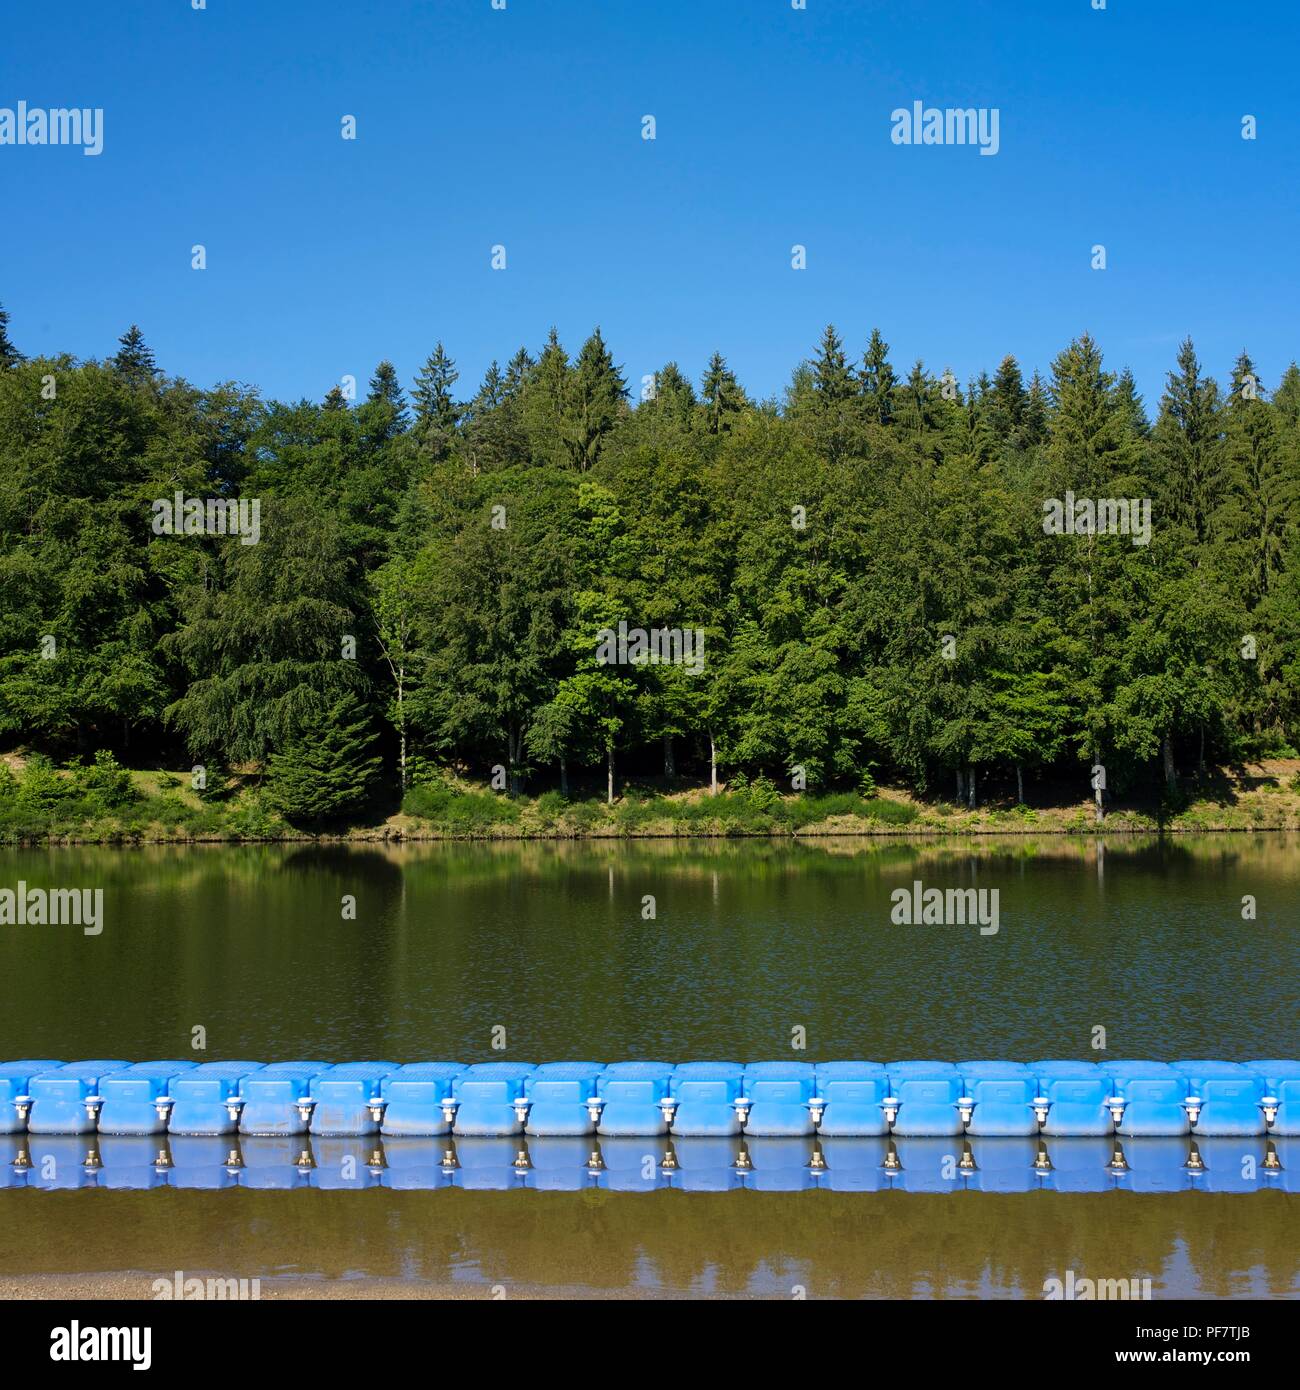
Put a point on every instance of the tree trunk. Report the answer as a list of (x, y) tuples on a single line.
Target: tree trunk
[(401, 729), (961, 788), (609, 775), (713, 766), (1171, 773), (1200, 760), (564, 776), (670, 770), (971, 802), (1020, 785)]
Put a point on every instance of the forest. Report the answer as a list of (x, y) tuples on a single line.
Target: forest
[(875, 565)]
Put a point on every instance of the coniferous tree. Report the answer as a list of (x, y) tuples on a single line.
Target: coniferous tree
[(435, 406), (9, 355), (596, 395), (831, 375), (135, 359), (721, 394), (1189, 449), (327, 769), (878, 380)]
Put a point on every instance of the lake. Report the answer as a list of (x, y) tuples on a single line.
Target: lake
[(675, 950)]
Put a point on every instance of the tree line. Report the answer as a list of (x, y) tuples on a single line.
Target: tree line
[(865, 558)]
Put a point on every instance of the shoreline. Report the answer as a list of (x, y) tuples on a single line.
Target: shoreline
[(391, 837)]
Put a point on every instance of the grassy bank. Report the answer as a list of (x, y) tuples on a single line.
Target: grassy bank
[(100, 803)]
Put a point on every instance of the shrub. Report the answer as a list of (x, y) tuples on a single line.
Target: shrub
[(104, 786)]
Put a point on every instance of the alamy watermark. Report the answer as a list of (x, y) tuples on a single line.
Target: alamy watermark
[(209, 516), (1101, 516), (179, 1288), (637, 646), (53, 907), (1075, 1289), (951, 125), (59, 125), (946, 907)]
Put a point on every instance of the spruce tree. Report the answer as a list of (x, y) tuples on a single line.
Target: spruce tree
[(878, 380), (9, 355), (722, 394), (831, 375), (135, 359), (595, 398), (1189, 448), (435, 406), (327, 770), (518, 370)]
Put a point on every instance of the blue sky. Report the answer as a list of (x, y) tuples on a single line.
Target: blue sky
[(523, 127)]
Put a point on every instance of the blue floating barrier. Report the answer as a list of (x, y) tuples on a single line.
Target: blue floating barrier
[(708, 1099), (490, 1163), (417, 1098), (275, 1162), (1149, 1099), (1281, 1103), (346, 1099), (707, 1163), (14, 1161), (1153, 1163), (15, 1091), (999, 1098), (207, 1099), (779, 1163), (130, 1161), (1230, 1097), (925, 1096), (1003, 1163), (66, 1099), (205, 1162), (853, 1164), (560, 1163), (852, 1096), (1075, 1094), (1282, 1164), (418, 1163), (1078, 1165), (137, 1099), (489, 1098), (563, 1099), (635, 1098), (634, 1163), (60, 1161), (277, 1098), (780, 1096), (924, 1164), (1230, 1163), (346, 1163)]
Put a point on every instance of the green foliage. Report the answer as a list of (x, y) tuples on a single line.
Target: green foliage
[(327, 770), (458, 812), (866, 561)]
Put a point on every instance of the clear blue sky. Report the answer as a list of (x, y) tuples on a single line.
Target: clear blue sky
[(523, 127)]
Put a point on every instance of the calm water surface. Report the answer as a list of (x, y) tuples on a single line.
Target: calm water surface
[(749, 940)]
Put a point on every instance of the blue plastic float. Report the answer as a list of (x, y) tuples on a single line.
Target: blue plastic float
[(930, 1126), (207, 1100), (137, 1099), (66, 1099), (276, 1098)]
